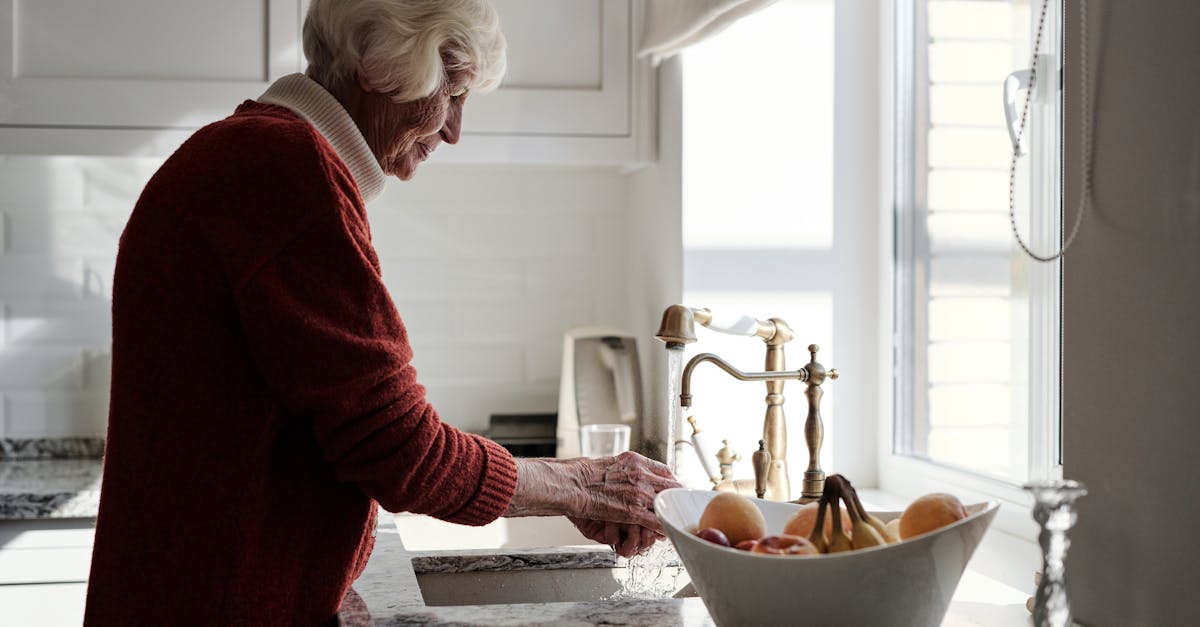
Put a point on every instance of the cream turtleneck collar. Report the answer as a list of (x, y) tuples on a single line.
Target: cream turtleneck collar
[(308, 99)]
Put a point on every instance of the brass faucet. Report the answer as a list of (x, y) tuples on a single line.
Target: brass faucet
[(677, 329)]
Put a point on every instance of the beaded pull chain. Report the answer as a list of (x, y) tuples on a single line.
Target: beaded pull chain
[(1085, 134)]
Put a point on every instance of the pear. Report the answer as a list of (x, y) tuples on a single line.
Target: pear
[(892, 529)]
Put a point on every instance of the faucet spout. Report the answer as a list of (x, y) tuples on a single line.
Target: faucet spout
[(678, 327), (685, 388)]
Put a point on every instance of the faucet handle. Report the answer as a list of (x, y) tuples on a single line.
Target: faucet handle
[(762, 466), (817, 372)]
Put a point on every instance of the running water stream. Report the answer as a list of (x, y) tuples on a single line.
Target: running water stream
[(674, 410), (654, 574)]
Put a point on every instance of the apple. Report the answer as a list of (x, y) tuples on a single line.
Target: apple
[(714, 535), (784, 544)]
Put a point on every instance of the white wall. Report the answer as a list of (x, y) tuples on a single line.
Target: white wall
[(488, 266), (1131, 421), (656, 246)]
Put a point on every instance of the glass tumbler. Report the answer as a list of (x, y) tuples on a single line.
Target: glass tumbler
[(603, 440)]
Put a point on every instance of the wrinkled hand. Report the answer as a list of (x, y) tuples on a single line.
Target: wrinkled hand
[(618, 490), (626, 539), (622, 489)]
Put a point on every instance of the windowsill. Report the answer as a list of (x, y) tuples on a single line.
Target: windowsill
[(1007, 560)]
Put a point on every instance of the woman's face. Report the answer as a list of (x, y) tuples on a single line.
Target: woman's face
[(403, 134)]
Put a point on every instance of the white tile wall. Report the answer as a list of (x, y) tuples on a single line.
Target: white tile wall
[(488, 265)]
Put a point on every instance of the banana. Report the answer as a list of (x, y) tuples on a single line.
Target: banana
[(838, 540), (855, 506)]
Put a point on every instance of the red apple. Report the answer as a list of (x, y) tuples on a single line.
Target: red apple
[(746, 545), (784, 544), (714, 535)]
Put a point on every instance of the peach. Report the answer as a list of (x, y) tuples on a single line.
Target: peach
[(734, 515), (785, 544), (801, 524), (929, 513)]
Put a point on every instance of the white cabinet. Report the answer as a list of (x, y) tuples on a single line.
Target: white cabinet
[(45, 551), (137, 77), (134, 77), (44, 568), (573, 92)]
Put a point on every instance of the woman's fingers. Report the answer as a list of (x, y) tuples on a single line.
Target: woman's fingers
[(655, 467), (631, 543), (612, 535)]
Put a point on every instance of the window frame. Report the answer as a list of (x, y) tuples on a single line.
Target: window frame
[(904, 65)]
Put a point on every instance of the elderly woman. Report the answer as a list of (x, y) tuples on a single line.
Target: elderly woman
[(263, 400)]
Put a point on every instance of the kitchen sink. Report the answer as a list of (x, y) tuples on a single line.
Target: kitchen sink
[(552, 585), (422, 533)]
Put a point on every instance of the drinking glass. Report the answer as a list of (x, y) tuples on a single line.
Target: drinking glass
[(603, 440)]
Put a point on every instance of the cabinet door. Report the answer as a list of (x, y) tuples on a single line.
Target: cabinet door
[(45, 551), (573, 92), (140, 64), (568, 70)]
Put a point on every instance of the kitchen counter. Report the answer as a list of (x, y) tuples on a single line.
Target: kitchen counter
[(51, 478), (387, 593), (53, 483)]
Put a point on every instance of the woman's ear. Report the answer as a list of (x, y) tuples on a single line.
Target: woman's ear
[(364, 84)]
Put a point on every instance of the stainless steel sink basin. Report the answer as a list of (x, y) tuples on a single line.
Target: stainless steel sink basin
[(552, 585)]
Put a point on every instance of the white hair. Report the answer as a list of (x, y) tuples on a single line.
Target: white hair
[(404, 48)]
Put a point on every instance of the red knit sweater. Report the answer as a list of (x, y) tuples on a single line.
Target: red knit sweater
[(262, 395)]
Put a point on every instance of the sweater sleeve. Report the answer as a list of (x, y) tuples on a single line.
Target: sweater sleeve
[(329, 342)]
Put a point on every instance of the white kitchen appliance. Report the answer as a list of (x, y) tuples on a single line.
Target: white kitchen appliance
[(601, 384)]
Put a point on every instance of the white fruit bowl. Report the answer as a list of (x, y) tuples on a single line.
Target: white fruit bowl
[(905, 584)]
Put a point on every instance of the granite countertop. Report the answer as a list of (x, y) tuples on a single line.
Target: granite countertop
[(387, 592), (50, 478)]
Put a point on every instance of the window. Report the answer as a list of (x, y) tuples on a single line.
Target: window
[(757, 212), (977, 321)]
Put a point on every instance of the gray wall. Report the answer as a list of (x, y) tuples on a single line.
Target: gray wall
[(1131, 416)]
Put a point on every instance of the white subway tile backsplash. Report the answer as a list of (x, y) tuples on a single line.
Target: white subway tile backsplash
[(544, 362), (488, 266), (524, 320), (55, 414), (57, 323), (539, 234), (476, 363), (451, 279), (97, 369), (41, 232), (433, 321), (468, 407), (469, 189), (41, 367), (97, 277), (37, 276), (546, 278), (42, 182), (116, 182)]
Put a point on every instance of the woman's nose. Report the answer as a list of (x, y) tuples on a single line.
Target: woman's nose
[(453, 126)]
